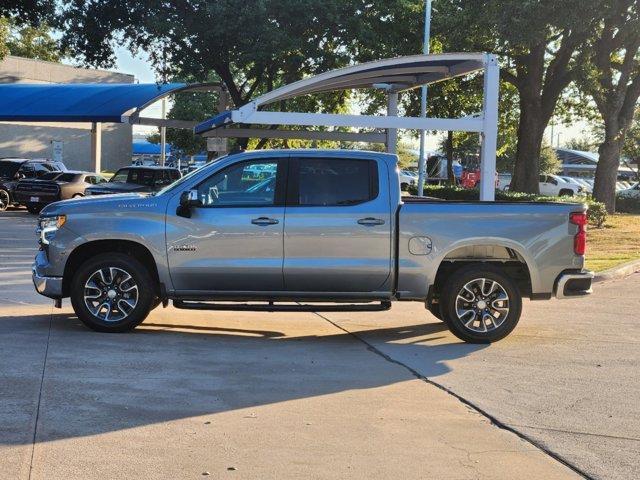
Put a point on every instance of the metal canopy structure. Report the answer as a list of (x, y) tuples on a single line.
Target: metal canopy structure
[(394, 76), (75, 102), (94, 103)]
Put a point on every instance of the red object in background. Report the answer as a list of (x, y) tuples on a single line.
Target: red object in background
[(470, 178)]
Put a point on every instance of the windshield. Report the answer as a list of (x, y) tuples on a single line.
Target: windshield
[(120, 176), (179, 182), (66, 177), (50, 176), (8, 169)]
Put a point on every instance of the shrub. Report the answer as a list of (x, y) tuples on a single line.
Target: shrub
[(597, 210)]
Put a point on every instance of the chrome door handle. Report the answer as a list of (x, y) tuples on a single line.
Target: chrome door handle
[(371, 221), (264, 221)]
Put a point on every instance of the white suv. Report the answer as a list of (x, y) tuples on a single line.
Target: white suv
[(554, 186)]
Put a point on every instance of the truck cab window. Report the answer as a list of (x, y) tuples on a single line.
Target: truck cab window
[(243, 184), (336, 182)]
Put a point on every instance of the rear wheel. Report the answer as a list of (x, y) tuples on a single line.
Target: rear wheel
[(565, 193), (112, 292), (480, 304), (5, 200)]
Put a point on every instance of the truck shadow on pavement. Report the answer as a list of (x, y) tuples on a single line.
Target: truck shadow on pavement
[(94, 383)]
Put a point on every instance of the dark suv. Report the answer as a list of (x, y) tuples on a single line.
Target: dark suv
[(137, 179), (14, 169)]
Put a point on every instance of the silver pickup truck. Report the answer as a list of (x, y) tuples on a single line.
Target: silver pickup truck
[(307, 230)]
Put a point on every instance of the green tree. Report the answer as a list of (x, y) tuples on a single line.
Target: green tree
[(611, 76), (28, 41), (21, 12), (538, 42)]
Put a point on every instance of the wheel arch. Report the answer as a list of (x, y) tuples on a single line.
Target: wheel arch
[(506, 255), (85, 251)]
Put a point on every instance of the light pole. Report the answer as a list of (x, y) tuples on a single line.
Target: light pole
[(423, 99)]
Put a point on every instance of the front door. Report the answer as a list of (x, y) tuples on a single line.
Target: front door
[(233, 241), (338, 226)]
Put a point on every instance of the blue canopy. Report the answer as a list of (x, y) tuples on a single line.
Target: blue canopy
[(78, 102), (145, 147)]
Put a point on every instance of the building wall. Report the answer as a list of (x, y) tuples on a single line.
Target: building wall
[(34, 140)]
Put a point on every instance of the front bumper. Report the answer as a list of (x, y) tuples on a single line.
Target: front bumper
[(48, 286), (574, 284)]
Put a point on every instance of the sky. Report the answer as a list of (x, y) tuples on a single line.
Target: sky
[(140, 67)]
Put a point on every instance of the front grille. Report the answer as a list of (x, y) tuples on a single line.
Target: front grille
[(42, 188)]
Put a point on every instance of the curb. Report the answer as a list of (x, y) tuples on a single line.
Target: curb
[(618, 272)]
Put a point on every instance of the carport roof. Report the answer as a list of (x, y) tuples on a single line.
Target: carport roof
[(394, 74), (81, 102)]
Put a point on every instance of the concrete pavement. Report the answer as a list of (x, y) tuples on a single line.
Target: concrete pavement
[(253, 395), (567, 377)]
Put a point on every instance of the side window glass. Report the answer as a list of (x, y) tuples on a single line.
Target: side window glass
[(336, 182), (27, 171), (246, 183), (543, 179)]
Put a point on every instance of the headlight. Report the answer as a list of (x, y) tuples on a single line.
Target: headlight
[(47, 226)]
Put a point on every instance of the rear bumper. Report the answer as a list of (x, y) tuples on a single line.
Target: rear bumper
[(48, 286), (574, 284), (43, 198)]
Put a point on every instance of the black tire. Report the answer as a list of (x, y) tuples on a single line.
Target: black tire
[(146, 293), (565, 193), (434, 309), (5, 200), (34, 208), (467, 328)]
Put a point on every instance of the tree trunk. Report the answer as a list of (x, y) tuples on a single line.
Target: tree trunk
[(530, 132), (450, 176), (604, 188)]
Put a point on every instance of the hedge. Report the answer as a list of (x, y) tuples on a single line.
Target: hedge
[(627, 204), (597, 210)]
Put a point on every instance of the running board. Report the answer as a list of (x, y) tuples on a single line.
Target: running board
[(271, 307)]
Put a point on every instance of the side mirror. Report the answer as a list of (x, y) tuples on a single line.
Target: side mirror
[(188, 200)]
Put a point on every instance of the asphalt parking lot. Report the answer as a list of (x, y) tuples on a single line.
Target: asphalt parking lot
[(302, 395)]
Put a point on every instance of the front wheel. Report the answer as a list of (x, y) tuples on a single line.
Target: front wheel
[(480, 304), (5, 200), (112, 292)]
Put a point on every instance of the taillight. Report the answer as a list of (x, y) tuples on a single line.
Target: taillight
[(580, 240)]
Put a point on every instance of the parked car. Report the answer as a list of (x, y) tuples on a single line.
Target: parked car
[(554, 186), (14, 169), (328, 226), (631, 192), (139, 179), (575, 181), (408, 178), (37, 193)]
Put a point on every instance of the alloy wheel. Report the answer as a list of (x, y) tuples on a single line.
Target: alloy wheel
[(110, 294), (482, 305)]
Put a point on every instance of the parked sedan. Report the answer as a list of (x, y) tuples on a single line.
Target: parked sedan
[(632, 192), (139, 179), (52, 187)]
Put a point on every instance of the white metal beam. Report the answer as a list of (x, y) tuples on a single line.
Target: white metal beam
[(392, 111), (369, 137), (362, 121), (96, 146), (489, 136)]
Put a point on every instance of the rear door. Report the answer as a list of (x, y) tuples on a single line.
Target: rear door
[(337, 225)]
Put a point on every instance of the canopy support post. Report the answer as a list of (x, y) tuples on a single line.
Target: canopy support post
[(163, 134), (96, 146), (489, 135), (392, 111)]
